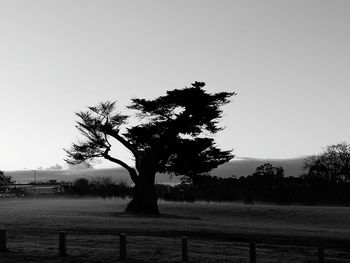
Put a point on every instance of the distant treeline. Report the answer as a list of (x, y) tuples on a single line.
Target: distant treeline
[(101, 186), (268, 184), (289, 190), (254, 188), (258, 187), (326, 181)]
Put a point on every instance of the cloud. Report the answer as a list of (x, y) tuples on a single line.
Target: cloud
[(81, 166), (55, 167)]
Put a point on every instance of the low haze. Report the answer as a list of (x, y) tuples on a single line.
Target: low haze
[(288, 61)]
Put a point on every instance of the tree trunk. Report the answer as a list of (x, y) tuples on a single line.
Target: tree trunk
[(145, 198)]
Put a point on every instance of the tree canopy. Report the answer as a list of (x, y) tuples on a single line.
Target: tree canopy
[(173, 135), (5, 180), (331, 165), (267, 170)]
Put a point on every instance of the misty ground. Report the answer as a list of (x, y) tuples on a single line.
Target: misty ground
[(218, 232)]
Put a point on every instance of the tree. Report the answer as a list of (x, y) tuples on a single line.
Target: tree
[(267, 170), (332, 165), (81, 186), (169, 138), (4, 182)]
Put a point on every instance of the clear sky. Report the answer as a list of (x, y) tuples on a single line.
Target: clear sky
[(289, 62)]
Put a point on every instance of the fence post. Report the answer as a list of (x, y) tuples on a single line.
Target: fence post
[(184, 240), (62, 243), (252, 252), (122, 247), (320, 252), (3, 237)]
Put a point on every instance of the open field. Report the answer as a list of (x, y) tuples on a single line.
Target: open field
[(218, 232)]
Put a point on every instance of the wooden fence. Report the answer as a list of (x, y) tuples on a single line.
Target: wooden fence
[(123, 255)]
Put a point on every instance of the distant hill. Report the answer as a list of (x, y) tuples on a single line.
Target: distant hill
[(238, 167), (246, 166)]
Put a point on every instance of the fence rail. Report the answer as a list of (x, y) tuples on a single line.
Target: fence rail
[(62, 247)]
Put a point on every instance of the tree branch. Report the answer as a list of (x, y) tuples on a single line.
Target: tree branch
[(128, 145), (132, 172)]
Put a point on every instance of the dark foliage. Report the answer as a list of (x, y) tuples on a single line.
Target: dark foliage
[(5, 180), (5, 188), (266, 184), (290, 190), (332, 165), (101, 186), (81, 186), (170, 137)]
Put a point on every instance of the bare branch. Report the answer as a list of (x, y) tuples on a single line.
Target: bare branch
[(131, 170), (124, 142)]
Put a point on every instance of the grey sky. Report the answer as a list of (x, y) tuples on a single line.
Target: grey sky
[(289, 61)]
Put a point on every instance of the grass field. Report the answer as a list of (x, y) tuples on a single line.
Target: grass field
[(218, 232)]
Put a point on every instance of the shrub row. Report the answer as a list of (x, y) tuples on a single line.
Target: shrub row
[(281, 190), (249, 189)]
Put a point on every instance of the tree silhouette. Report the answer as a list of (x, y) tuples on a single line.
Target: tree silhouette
[(5, 180), (331, 165), (267, 170), (169, 138)]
